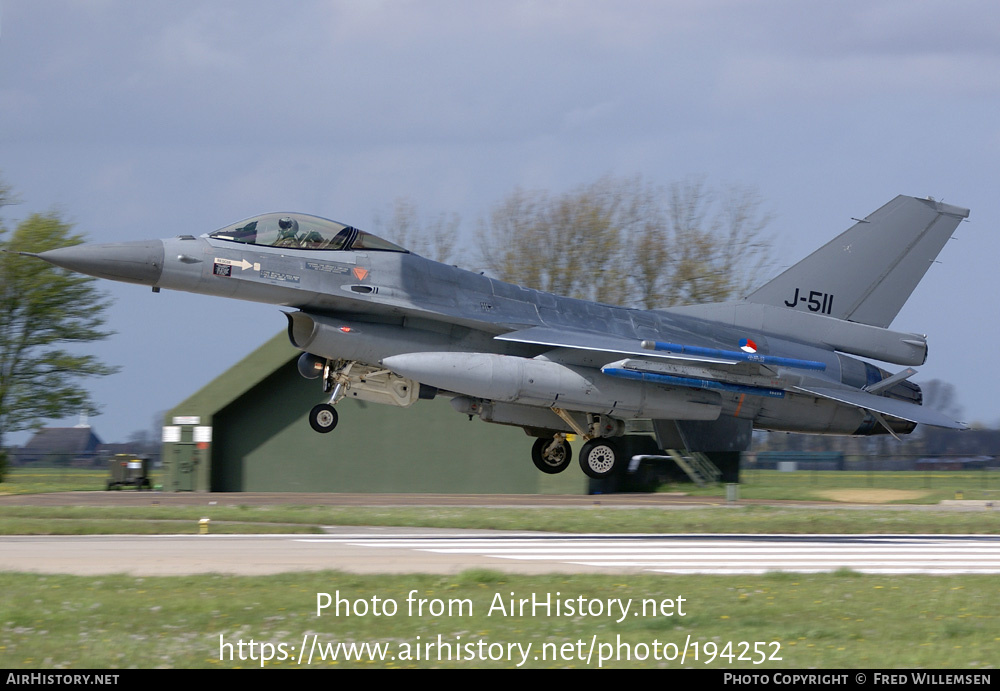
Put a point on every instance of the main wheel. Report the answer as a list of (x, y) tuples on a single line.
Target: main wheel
[(551, 457), (323, 417), (599, 458)]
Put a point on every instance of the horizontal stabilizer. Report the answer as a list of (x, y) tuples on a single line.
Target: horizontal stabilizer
[(886, 406)]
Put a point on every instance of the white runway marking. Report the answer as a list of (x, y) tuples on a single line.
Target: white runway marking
[(723, 554)]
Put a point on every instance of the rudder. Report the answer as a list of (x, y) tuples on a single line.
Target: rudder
[(867, 273)]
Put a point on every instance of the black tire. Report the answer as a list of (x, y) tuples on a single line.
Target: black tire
[(600, 458), (323, 418), (557, 460)]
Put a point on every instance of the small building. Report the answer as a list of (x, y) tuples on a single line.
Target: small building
[(71, 446)]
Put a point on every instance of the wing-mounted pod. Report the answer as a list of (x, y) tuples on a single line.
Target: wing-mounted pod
[(543, 383)]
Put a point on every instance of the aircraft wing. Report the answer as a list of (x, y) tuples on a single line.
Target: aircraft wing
[(581, 340), (713, 368), (886, 406)]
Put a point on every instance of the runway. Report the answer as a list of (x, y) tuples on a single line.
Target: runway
[(420, 550)]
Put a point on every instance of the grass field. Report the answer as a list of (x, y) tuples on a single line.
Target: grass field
[(840, 620), (910, 487), (229, 516), (82, 520), (881, 487), (35, 480), (834, 620)]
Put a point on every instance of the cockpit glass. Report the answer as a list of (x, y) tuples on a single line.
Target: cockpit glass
[(300, 231)]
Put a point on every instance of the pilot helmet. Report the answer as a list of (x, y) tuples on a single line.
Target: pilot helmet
[(289, 227)]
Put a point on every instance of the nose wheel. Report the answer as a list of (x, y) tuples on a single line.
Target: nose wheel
[(323, 417)]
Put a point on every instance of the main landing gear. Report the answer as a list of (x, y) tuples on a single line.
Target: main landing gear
[(551, 455), (600, 456)]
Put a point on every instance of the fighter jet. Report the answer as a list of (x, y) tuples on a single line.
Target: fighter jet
[(379, 323)]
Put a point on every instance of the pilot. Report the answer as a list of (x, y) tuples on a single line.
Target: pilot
[(287, 229)]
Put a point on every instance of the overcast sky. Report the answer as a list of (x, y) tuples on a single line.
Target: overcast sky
[(151, 119)]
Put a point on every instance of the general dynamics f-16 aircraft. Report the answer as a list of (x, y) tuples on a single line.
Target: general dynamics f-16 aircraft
[(379, 323)]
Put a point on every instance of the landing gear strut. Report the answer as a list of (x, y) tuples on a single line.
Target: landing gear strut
[(354, 379), (323, 417)]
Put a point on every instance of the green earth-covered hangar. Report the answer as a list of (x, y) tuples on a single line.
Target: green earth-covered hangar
[(248, 431)]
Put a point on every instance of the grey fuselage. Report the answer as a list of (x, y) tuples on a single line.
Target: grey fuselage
[(407, 303), (778, 359)]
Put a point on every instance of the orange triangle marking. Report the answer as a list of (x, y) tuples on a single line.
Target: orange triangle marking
[(360, 273)]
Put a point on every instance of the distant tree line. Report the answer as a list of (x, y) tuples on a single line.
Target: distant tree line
[(618, 240)]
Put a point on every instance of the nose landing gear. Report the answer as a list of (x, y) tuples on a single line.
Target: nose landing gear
[(323, 417), (354, 379)]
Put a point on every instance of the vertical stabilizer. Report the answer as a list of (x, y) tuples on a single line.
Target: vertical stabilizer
[(867, 272)]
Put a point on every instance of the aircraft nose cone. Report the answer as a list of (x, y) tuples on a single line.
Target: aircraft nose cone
[(132, 262)]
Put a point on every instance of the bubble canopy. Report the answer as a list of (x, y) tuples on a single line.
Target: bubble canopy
[(303, 232)]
